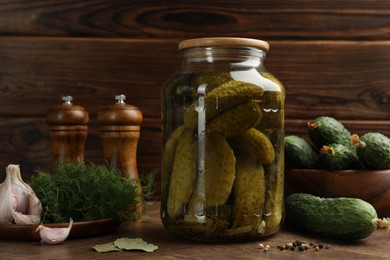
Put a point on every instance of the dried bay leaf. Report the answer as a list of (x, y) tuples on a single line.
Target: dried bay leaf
[(104, 248), (134, 244)]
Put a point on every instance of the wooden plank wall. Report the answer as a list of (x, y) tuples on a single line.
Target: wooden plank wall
[(332, 56)]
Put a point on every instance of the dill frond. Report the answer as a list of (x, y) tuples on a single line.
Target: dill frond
[(86, 192)]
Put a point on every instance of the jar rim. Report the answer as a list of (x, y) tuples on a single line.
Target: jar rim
[(223, 41)]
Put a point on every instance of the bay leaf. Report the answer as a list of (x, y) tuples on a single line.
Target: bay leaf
[(107, 247), (127, 243)]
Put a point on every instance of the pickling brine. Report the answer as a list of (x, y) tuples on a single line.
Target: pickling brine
[(222, 152)]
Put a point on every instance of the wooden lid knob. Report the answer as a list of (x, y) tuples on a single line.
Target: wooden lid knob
[(120, 114), (67, 114)]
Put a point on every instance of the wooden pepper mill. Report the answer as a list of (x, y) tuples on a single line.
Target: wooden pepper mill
[(120, 131), (68, 130)]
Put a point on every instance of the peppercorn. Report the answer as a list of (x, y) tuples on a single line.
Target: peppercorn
[(297, 244)]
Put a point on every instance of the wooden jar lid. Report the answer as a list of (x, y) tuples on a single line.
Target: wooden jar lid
[(120, 114), (224, 41), (67, 114)]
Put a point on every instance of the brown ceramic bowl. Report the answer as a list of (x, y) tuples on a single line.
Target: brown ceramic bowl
[(371, 186), (79, 229)]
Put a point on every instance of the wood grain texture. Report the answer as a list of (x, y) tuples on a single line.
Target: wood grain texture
[(297, 19), (151, 230), (333, 58), (348, 80)]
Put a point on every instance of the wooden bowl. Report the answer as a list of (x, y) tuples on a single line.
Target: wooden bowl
[(371, 186), (83, 229)]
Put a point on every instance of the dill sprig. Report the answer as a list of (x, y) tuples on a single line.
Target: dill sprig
[(86, 192)]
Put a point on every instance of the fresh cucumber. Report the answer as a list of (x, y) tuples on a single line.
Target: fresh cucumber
[(299, 153), (325, 130), (338, 157), (336, 218), (373, 150)]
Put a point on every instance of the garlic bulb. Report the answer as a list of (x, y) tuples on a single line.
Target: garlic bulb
[(18, 202), (54, 235)]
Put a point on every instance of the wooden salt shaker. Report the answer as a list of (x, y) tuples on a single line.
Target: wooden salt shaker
[(68, 130), (120, 131)]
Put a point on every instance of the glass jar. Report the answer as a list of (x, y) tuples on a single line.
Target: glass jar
[(222, 149)]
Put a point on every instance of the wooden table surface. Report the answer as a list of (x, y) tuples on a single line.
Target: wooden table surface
[(150, 229)]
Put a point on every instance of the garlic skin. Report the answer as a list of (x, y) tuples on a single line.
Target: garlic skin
[(54, 235), (18, 202), (7, 201), (33, 214)]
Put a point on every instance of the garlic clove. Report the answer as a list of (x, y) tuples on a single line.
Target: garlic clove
[(18, 202), (54, 235), (6, 202), (33, 214), (23, 219), (18, 188)]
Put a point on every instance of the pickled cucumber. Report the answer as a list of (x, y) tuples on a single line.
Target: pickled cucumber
[(274, 195), (273, 109), (212, 80), (183, 174), (215, 180), (249, 193), (236, 120), (227, 95), (170, 149), (257, 144), (169, 156)]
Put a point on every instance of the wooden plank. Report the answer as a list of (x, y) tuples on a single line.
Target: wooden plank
[(297, 19), (344, 79), (93, 71), (151, 229), (347, 80)]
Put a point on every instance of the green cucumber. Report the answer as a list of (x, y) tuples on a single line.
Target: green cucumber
[(335, 218), (338, 157), (299, 153), (325, 130), (373, 150)]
